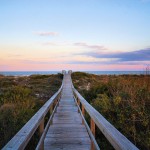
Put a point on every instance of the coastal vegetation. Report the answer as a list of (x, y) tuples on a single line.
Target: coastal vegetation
[(20, 98), (124, 100)]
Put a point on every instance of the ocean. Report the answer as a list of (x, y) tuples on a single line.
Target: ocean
[(28, 73)]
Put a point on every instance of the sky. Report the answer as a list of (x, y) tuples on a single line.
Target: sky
[(81, 35)]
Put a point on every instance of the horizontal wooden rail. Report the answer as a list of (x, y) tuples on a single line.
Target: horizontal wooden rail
[(117, 140), (21, 139), (40, 145), (96, 147)]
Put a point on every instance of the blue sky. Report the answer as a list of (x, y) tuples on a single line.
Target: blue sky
[(74, 34)]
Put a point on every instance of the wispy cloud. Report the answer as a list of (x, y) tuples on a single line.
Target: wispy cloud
[(96, 47), (46, 33), (97, 62), (138, 55), (50, 43), (4, 67), (43, 62), (14, 55), (57, 43)]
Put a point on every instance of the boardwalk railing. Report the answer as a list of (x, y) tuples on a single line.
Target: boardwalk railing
[(22, 138), (116, 139)]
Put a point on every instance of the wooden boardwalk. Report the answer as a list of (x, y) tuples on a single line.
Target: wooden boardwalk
[(66, 128), (67, 131)]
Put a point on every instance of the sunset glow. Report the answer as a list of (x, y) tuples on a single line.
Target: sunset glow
[(79, 35)]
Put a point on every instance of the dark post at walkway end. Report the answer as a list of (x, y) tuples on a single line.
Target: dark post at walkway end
[(63, 72), (70, 72)]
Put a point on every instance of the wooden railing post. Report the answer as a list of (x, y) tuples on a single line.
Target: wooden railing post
[(78, 104), (55, 102), (83, 113), (41, 127), (42, 145), (76, 99), (51, 109), (59, 97), (93, 132)]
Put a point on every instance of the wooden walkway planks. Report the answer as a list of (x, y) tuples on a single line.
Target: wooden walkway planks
[(67, 131)]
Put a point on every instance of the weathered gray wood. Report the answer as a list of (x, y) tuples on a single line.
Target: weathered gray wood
[(67, 128), (40, 145), (67, 147), (68, 134), (66, 122), (93, 132), (67, 131), (117, 140), (41, 127), (67, 109), (66, 119), (68, 140), (72, 126), (94, 144)]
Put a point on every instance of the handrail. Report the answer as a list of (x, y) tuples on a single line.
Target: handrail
[(117, 140), (96, 147), (40, 145), (21, 139)]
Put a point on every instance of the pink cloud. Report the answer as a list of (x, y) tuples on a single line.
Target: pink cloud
[(97, 47), (50, 43), (47, 33)]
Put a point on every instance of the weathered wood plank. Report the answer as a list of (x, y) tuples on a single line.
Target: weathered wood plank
[(65, 114), (73, 126), (66, 121), (67, 147), (67, 110), (70, 140), (68, 135), (67, 129)]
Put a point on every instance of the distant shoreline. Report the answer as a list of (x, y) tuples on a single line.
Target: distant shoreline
[(28, 73)]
